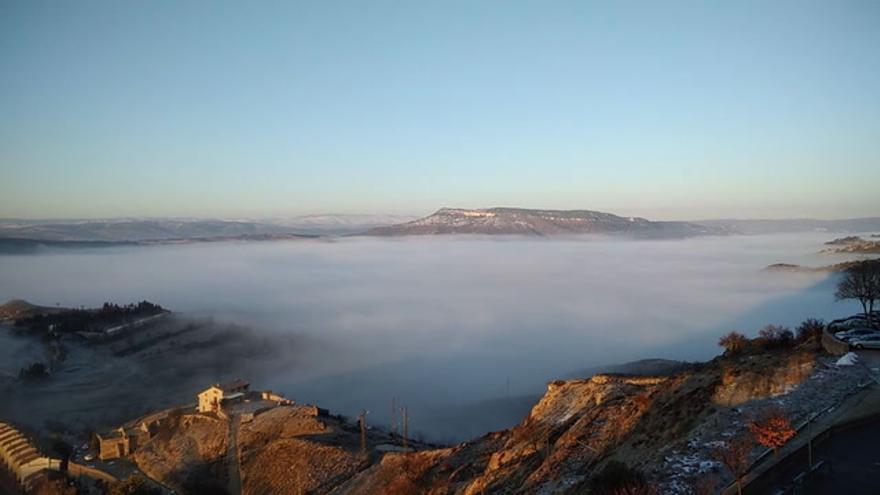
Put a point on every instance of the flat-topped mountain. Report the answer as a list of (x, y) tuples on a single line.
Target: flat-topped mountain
[(519, 221)]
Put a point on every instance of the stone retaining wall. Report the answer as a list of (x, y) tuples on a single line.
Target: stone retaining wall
[(832, 344)]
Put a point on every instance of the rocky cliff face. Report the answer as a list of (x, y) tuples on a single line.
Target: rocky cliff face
[(752, 378)]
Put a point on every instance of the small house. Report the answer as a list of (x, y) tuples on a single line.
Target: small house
[(212, 398)]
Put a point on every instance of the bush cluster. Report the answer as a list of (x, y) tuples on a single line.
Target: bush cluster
[(772, 337)]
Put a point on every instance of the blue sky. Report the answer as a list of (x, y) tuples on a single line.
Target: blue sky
[(248, 109)]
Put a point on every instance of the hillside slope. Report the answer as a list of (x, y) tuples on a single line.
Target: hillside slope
[(667, 427)]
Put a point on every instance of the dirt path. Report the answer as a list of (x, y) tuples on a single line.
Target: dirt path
[(232, 460)]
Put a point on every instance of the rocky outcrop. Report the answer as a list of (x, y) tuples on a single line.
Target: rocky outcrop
[(187, 453), (293, 450), (753, 377)]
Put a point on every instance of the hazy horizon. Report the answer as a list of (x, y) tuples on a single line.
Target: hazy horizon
[(292, 216)]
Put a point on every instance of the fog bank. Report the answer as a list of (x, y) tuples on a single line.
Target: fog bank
[(452, 324)]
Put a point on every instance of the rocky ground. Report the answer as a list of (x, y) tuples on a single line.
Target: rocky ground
[(187, 454)]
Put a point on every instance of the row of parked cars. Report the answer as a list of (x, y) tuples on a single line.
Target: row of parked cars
[(861, 338), (861, 331)]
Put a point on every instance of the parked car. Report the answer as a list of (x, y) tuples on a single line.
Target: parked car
[(866, 342), (857, 333)]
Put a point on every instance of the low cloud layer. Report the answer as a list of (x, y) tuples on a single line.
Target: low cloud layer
[(447, 323)]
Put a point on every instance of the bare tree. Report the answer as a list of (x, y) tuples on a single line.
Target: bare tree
[(861, 282), (735, 457)]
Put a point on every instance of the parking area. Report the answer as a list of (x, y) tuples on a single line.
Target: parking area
[(870, 358)]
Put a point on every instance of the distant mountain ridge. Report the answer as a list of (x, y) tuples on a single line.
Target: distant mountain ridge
[(137, 230), (774, 226), (21, 236), (521, 221)]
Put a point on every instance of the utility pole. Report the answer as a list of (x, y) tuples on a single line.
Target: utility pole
[(405, 430), (362, 419)]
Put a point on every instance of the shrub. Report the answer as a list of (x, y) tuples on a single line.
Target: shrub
[(810, 329), (733, 343), (775, 337), (735, 457)]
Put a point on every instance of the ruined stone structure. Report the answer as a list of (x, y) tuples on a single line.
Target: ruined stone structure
[(122, 441), (268, 395)]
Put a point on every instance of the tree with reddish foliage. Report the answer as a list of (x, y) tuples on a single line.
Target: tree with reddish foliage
[(735, 457), (772, 429)]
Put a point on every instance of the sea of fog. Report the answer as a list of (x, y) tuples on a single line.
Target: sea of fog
[(464, 330)]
